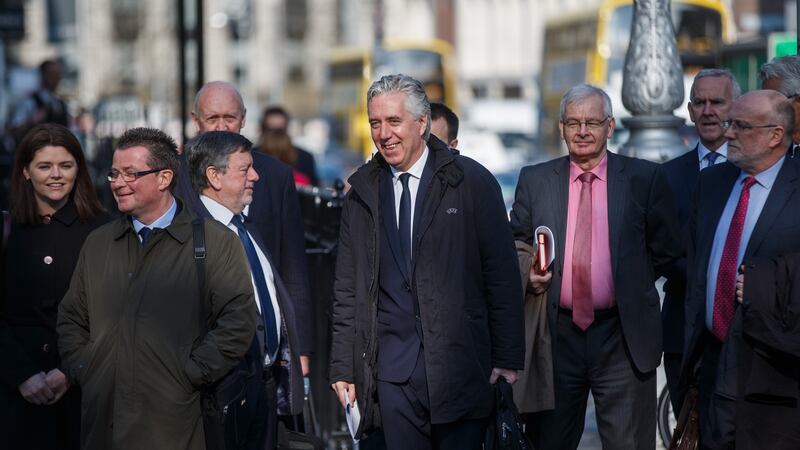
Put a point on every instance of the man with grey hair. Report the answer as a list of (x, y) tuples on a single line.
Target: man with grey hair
[(710, 99), (427, 310), (782, 74), (615, 230), (743, 210), (222, 173)]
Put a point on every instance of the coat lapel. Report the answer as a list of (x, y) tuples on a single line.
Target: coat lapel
[(259, 207), (428, 202), (781, 192), (560, 205), (389, 220), (617, 198), (711, 210)]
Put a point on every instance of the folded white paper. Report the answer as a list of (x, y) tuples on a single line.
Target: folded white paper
[(352, 415)]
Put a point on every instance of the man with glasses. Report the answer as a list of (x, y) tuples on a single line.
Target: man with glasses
[(710, 100), (615, 230), (782, 74), (744, 209), (130, 331)]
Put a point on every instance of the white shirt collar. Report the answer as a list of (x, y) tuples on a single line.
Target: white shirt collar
[(415, 170), (218, 211)]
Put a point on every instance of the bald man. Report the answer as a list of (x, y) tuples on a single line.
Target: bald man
[(743, 209)]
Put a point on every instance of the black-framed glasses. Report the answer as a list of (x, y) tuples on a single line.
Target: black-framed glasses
[(591, 125), (129, 176), (738, 125)]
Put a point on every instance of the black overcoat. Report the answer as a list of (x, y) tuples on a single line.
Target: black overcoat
[(465, 280), (37, 268)]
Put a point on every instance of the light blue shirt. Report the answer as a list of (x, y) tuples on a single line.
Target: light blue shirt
[(758, 197), (702, 151), (161, 222)]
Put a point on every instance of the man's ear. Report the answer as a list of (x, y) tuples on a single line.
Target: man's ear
[(213, 176), (454, 143), (165, 179)]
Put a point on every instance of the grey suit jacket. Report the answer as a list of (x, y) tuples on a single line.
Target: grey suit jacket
[(643, 235)]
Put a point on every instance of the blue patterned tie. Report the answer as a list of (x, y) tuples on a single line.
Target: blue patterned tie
[(404, 225), (711, 159), (267, 311)]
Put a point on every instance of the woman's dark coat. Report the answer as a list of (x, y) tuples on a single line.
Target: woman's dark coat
[(37, 267)]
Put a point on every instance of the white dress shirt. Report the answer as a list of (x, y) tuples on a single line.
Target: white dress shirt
[(224, 215)]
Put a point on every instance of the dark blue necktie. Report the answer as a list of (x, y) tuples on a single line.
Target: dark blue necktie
[(404, 225), (267, 312), (144, 233), (711, 159)]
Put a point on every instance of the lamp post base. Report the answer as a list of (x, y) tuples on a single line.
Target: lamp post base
[(654, 138)]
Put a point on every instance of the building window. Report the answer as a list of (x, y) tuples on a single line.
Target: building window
[(512, 91)]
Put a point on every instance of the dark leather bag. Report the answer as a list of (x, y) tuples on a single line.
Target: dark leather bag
[(687, 431), (505, 431)]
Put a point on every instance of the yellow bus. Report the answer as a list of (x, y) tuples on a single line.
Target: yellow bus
[(351, 71), (589, 47)]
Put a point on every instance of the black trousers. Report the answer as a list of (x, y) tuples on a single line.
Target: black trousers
[(406, 419), (596, 361)]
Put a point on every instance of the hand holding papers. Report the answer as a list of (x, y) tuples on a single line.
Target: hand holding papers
[(352, 415)]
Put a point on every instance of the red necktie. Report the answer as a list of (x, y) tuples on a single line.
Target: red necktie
[(582, 308), (724, 299)]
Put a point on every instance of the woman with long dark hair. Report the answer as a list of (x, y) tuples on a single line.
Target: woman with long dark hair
[(53, 208)]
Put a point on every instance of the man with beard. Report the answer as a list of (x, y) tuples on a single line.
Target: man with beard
[(743, 209)]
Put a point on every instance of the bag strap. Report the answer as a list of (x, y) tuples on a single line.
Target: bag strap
[(199, 243)]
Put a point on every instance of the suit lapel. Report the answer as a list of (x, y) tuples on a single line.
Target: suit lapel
[(711, 208), (389, 220), (259, 207), (560, 205), (781, 192), (617, 197)]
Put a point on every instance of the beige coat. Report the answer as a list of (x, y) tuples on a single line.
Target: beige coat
[(534, 390)]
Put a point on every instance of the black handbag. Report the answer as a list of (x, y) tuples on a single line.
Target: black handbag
[(505, 431), (224, 403)]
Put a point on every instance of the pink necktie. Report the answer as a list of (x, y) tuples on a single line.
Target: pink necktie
[(724, 299), (582, 308)]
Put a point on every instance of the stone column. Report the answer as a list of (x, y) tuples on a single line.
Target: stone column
[(652, 84)]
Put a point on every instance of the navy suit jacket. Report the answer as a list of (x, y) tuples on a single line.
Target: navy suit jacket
[(682, 173), (776, 232), (643, 236), (275, 216)]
